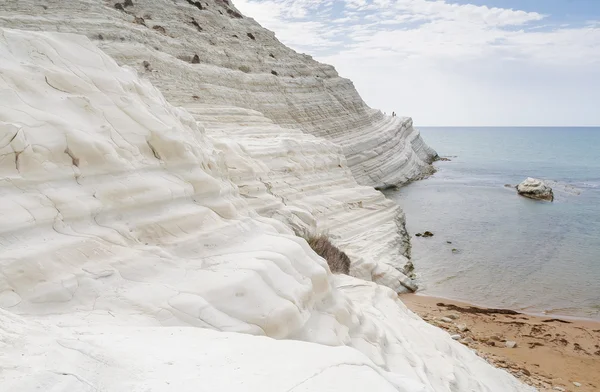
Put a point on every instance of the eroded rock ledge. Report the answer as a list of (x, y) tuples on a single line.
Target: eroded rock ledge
[(261, 103), (210, 54), (125, 239)]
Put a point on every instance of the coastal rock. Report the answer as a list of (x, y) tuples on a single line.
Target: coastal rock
[(535, 189), (177, 359), (455, 337), (510, 344), (446, 319), (577, 384), (462, 327), (302, 147), (306, 95), (135, 261), (427, 234)]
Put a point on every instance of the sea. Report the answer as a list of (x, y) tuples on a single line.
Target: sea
[(494, 248)]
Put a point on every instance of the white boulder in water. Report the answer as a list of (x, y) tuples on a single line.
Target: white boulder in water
[(535, 189)]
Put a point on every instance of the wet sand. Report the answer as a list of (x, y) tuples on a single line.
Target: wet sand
[(550, 353)]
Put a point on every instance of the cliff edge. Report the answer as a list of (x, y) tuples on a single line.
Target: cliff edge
[(207, 52), (263, 104), (126, 246)]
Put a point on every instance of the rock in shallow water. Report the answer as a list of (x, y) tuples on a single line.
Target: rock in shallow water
[(535, 189)]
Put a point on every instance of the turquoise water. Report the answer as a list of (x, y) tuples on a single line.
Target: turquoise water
[(510, 251)]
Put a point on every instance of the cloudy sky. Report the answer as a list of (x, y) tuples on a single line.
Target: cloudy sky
[(454, 62)]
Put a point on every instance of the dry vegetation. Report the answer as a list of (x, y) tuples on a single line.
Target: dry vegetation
[(339, 262)]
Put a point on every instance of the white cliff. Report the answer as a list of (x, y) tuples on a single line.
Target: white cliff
[(125, 240), (207, 52), (207, 57)]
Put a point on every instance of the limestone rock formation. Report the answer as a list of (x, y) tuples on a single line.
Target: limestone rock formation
[(217, 63), (535, 189), (211, 54), (177, 359), (125, 240)]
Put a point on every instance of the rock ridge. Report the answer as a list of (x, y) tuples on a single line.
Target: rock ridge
[(218, 65), (138, 255), (212, 55)]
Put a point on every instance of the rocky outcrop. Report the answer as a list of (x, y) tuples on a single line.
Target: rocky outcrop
[(212, 55), (124, 240), (535, 189), (177, 359), (281, 169), (208, 58)]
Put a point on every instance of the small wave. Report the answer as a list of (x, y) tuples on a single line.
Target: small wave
[(446, 279), (573, 313), (590, 184), (563, 187)]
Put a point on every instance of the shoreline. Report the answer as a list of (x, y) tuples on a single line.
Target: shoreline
[(551, 351), (520, 311)]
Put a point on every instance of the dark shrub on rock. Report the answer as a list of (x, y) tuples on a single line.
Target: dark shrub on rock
[(338, 261)]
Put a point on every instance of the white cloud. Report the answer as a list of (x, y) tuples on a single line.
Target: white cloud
[(288, 20), (445, 63)]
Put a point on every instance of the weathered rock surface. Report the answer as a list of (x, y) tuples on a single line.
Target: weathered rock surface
[(125, 239), (177, 359), (510, 344), (235, 60), (535, 189), (217, 64)]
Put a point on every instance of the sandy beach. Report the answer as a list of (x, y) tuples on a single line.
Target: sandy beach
[(551, 354)]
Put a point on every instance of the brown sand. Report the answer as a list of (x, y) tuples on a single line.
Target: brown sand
[(549, 353)]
